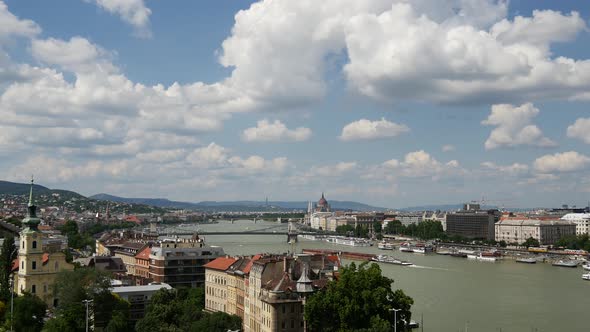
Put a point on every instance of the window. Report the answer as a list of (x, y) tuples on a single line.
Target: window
[(33, 289), (34, 244), (44, 288), (34, 265), (22, 265), (56, 266), (23, 245)]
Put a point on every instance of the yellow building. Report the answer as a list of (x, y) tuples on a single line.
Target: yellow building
[(37, 269), (216, 283)]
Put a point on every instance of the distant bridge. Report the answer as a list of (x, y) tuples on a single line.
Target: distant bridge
[(290, 235)]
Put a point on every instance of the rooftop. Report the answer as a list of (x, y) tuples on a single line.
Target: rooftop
[(220, 263)]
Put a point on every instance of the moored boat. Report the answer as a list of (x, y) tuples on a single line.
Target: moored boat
[(405, 247), (586, 266), (444, 252), (586, 276), (526, 260), (486, 256), (383, 245), (565, 263)]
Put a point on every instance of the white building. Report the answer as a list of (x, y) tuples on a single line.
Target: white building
[(582, 221), (319, 220), (519, 229), (410, 218)]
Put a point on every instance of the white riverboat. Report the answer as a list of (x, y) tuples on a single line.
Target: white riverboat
[(349, 241), (565, 263), (384, 245), (527, 260), (406, 247), (486, 256), (586, 266), (586, 276), (390, 260)]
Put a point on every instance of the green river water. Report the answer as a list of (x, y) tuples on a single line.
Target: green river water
[(453, 294)]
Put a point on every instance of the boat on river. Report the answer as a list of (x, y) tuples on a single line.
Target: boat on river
[(444, 252), (349, 241), (422, 248), (384, 245), (586, 276), (390, 260), (486, 256), (405, 247), (586, 266), (527, 260), (565, 263)]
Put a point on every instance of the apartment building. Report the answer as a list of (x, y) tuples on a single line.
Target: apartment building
[(547, 231)]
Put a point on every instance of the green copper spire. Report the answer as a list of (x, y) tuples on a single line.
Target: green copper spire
[(31, 192), (31, 221)]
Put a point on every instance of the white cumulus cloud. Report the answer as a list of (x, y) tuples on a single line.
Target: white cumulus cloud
[(562, 162), (133, 12), (364, 129), (266, 131), (580, 130), (514, 127)]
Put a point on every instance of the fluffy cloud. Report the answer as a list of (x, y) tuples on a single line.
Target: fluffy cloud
[(266, 131), (420, 164), (512, 170), (10, 25), (580, 130), (133, 12), (77, 54), (562, 162), (513, 127), (368, 130)]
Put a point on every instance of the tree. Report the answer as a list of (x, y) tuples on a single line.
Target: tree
[(531, 242), (345, 230), (29, 311), (377, 227), (394, 227), (72, 288), (7, 255), (217, 322), (361, 298)]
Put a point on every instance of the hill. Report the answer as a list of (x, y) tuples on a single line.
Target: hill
[(237, 205)]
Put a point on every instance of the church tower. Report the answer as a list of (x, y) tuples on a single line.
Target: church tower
[(37, 269), (30, 253)]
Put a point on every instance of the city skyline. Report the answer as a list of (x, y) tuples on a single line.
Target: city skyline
[(389, 103)]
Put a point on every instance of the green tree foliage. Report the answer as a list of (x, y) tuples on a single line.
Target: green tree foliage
[(82, 238), (73, 287), (394, 227), (7, 255), (531, 242), (345, 230), (182, 310), (29, 311), (580, 242), (377, 227), (361, 298)]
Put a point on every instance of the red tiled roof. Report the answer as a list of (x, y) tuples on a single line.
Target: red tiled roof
[(249, 266), (144, 254), (16, 262), (133, 219), (220, 263)]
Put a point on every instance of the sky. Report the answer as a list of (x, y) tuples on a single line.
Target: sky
[(393, 103)]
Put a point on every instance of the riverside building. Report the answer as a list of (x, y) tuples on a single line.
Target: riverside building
[(520, 228), (582, 221), (471, 222), (274, 288)]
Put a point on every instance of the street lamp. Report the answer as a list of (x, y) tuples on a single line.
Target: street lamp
[(394, 318), (87, 302), (11, 301)]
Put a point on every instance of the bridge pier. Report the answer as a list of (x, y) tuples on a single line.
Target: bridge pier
[(291, 237)]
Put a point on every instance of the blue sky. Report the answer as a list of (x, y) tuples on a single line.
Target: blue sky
[(389, 102)]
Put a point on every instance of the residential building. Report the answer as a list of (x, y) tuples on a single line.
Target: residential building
[(180, 262), (138, 297), (36, 269), (216, 284), (272, 288), (109, 264), (410, 218), (582, 221), (127, 252), (520, 228), (472, 223), (142, 265)]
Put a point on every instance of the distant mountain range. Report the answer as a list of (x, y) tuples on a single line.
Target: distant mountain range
[(12, 188), (237, 205)]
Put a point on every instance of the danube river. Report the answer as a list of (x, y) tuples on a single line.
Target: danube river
[(453, 294)]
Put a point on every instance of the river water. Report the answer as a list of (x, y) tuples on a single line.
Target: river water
[(452, 294)]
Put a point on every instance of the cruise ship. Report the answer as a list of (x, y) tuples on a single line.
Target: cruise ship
[(349, 241), (384, 245)]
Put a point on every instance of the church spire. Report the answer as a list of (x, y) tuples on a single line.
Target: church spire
[(31, 192)]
